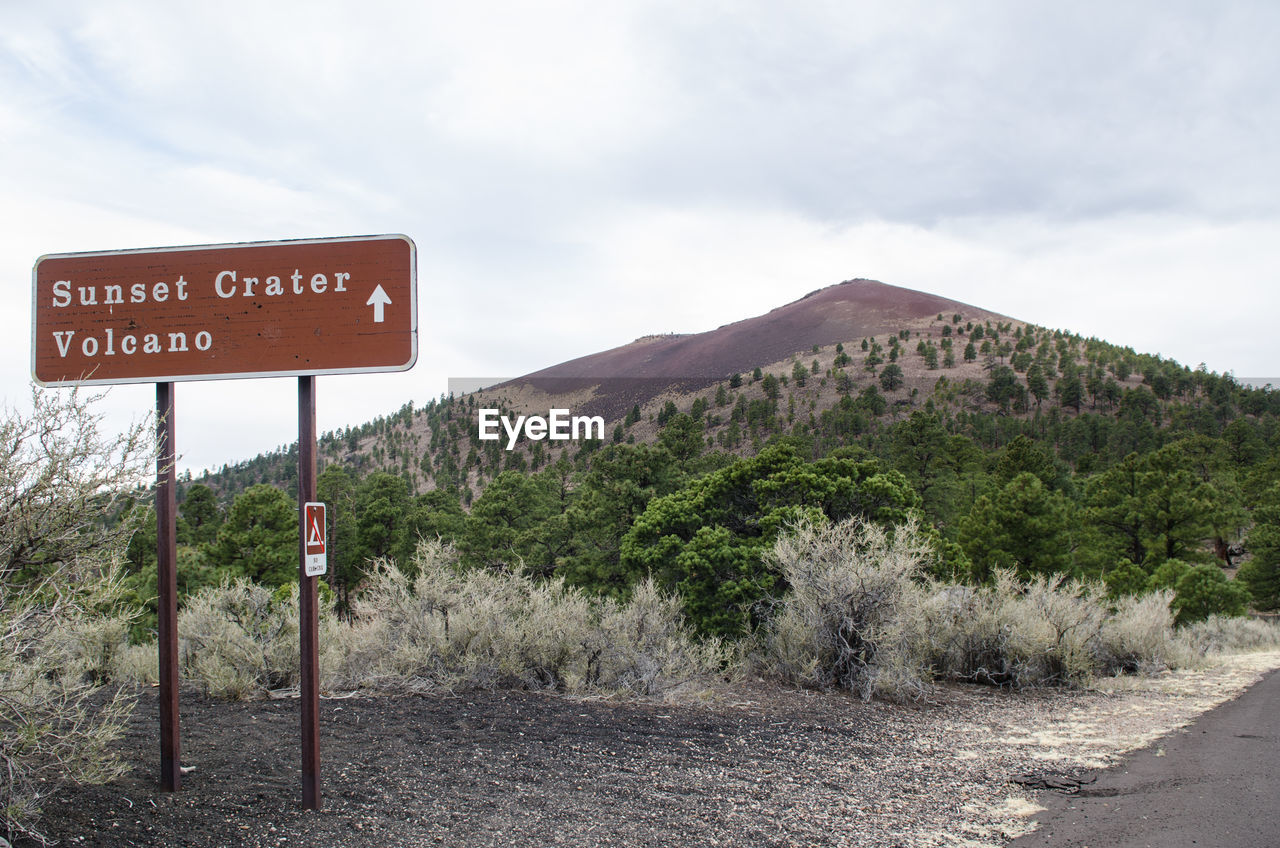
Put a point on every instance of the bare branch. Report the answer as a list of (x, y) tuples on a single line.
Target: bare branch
[(63, 483)]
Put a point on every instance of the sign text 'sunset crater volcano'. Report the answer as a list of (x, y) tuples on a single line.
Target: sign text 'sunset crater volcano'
[(259, 309)]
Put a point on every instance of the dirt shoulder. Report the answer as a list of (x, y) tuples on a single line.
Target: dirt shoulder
[(753, 765)]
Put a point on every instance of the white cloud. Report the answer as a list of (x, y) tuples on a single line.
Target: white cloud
[(1187, 288), (577, 174)]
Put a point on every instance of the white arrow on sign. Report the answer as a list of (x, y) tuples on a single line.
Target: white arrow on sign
[(378, 300)]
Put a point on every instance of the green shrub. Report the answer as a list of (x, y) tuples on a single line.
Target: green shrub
[(1263, 580), (708, 541), (1199, 591), (1204, 591), (1167, 575), (1127, 579)]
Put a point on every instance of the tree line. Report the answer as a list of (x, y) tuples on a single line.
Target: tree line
[(1041, 452), (1171, 514)]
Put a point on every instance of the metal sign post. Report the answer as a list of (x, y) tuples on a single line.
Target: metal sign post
[(308, 625), (211, 312), (167, 589)]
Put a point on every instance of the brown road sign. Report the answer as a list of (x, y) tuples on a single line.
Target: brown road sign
[(209, 312)]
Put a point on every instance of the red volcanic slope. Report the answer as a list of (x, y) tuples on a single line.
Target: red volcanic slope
[(846, 312)]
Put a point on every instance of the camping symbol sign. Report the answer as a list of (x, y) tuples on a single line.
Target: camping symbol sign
[(313, 528)]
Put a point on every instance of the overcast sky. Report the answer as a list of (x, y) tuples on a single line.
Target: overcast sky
[(579, 174)]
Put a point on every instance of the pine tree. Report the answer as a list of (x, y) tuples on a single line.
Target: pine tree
[(891, 378), (1261, 574), (259, 539), (1069, 390), (1037, 385), (1024, 526)]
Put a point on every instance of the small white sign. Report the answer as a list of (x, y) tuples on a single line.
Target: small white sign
[(314, 528)]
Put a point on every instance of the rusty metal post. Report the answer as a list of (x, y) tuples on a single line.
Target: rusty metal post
[(308, 626), (167, 584)]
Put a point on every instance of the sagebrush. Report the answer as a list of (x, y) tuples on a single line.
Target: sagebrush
[(841, 623), (862, 613), (437, 626), (240, 640), (62, 619), (1219, 634)]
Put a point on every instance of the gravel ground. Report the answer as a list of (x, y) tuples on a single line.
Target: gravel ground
[(746, 765)]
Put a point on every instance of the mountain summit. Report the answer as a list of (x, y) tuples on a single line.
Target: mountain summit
[(845, 312)]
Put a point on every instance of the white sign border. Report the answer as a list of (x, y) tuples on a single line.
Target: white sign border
[(316, 565)]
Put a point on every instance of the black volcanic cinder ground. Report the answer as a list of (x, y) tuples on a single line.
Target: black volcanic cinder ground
[(637, 372)]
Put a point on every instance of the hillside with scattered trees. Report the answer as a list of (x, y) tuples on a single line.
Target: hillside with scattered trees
[(1020, 448)]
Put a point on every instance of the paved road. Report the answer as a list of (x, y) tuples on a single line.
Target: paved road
[(1215, 783)]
